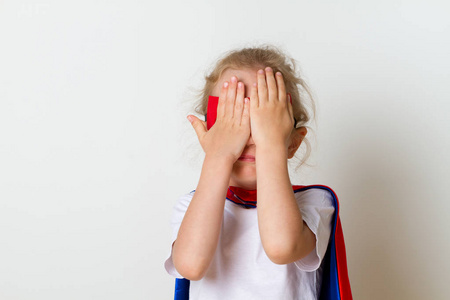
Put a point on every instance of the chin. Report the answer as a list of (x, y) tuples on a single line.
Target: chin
[(243, 176)]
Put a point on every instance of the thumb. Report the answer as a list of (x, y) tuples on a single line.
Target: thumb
[(199, 125)]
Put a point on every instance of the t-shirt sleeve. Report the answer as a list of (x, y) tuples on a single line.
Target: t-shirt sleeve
[(316, 206), (178, 212)]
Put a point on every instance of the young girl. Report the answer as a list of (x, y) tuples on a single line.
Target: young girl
[(227, 244)]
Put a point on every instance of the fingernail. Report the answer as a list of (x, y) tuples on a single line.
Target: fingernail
[(189, 118)]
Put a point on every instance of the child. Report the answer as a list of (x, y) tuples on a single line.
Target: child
[(227, 244)]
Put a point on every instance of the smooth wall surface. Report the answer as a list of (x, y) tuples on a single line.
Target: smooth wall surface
[(95, 147)]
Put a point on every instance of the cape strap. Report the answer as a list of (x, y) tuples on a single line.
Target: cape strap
[(242, 197), (246, 198)]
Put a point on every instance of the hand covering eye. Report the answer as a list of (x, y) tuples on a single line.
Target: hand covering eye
[(211, 112)]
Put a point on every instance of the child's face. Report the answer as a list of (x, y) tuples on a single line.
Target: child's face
[(244, 172)]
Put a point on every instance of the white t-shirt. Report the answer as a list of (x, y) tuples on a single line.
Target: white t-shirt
[(241, 269)]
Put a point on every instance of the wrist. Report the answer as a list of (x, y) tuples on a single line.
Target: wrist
[(275, 149), (220, 160)]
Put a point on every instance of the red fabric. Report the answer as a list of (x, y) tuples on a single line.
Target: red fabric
[(212, 111), (242, 196), (341, 259)]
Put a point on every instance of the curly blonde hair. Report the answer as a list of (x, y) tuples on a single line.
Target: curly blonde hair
[(261, 57)]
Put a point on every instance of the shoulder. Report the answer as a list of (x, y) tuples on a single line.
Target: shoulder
[(187, 197), (317, 195), (180, 207), (183, 201)]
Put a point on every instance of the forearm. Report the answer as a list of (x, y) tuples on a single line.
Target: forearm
[(279, 218), (199, 231)]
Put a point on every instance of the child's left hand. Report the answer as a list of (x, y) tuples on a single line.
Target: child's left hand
[(271, 116)]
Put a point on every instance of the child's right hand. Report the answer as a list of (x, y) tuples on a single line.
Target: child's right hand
[(231, 131)]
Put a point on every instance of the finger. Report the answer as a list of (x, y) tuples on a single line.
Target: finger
[(246, 113), (239, 105), (222, 100), (254, 102), (290, 108), (281, 88), (271, 85), (262, 88), (231, 98)]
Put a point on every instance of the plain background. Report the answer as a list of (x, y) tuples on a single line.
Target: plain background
[(95, 147)]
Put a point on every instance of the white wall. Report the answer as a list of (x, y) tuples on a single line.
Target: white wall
[(93, 136)]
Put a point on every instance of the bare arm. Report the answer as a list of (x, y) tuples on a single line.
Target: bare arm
[(284, 235), (199, 231)]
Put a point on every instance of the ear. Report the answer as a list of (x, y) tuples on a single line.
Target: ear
[(297, 136)]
